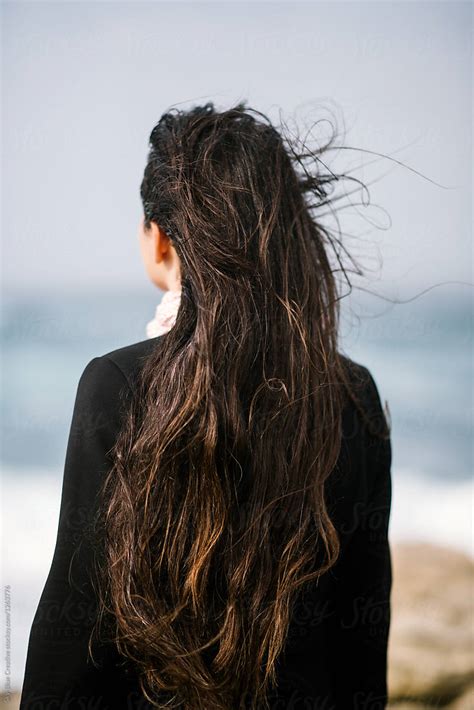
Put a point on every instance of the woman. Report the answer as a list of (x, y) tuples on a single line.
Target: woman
[(223, 533)]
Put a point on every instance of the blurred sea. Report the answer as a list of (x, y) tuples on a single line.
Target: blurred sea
[(420, 354)]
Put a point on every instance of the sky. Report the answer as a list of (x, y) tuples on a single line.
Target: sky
[(83, 84)]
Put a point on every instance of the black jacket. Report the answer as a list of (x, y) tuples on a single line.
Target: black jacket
[(336, 654)]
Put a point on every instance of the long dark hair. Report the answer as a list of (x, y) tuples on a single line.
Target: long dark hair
[(214, 513)]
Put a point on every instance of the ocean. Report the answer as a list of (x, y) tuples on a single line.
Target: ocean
[(419, 352)]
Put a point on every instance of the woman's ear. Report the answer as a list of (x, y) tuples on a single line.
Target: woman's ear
[(161, 242)]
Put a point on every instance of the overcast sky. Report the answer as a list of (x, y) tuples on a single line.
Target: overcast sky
[(84, 83)]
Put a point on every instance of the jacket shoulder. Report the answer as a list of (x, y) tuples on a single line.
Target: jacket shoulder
[(366, 395), (129, 358)]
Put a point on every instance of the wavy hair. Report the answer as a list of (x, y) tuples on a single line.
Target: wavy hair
[(214, 512)]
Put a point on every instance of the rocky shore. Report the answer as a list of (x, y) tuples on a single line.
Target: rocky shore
[(431, 658), (431, 655)]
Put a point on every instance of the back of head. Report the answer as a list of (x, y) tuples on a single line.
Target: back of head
[(215, 513)]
